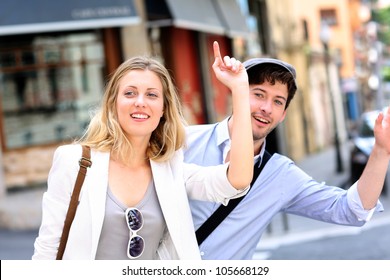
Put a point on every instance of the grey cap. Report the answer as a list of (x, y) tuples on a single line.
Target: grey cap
[(261, 60)]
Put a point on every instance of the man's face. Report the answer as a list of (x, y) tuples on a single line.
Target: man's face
[(268, 103)]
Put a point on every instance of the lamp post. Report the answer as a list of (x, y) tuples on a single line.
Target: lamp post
[(325, 37)]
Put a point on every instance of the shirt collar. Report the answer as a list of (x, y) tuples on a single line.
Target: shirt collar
[(259, 157), (223, 137), (222, 130)]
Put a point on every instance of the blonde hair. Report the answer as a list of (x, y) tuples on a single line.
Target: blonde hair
[(105, 134)]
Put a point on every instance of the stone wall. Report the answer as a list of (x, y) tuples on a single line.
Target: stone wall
[(27, 167)]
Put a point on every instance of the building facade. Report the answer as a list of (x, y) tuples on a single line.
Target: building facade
[(297, 28), (54, 65)]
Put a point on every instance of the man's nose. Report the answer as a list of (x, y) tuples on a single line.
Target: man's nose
[(266, 106)]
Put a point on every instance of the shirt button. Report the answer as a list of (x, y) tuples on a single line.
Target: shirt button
[(202, 253)]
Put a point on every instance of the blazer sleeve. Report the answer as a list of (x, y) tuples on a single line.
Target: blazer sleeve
[(210, 183), (55, 202)]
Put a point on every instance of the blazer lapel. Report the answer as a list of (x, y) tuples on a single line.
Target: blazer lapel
[(167, 194), (97, 181), (172, 195)]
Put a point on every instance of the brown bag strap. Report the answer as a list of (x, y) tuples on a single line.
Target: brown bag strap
[(84, 162)]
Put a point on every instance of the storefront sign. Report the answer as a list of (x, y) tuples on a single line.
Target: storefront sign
[(26, 16)]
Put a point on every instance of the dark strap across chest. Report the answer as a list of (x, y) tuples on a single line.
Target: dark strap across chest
[(223, 211)]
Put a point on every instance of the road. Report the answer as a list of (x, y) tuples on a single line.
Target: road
[(354, 244), (17, 245)]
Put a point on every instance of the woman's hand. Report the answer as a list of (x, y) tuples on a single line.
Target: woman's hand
[(229, 70), (382, 131)]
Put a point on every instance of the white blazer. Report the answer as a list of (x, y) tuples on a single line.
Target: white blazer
[(174, 181)]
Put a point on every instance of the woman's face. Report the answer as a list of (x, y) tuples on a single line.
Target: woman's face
[(140, 103)]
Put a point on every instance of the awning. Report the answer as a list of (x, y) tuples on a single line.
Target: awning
[(209, 16), (26, 16), (233, 18)]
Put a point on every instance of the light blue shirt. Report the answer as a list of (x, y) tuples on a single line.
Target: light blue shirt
[(281, 187)]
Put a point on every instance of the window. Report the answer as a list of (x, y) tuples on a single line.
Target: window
[(48, 88), (329, 16)]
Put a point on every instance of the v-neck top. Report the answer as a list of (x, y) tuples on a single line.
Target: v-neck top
[(114, 238)]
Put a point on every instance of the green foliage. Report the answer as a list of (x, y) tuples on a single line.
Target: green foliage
[(384, 36), (382, 16), (386, 73)]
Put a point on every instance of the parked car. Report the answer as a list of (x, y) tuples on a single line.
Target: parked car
[(363, 142)]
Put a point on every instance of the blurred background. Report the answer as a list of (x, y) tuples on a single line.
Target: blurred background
[(55, 57)]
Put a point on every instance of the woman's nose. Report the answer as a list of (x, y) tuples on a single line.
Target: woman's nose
[(140, 102)]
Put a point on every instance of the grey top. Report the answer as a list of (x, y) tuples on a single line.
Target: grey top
[(114, 236)]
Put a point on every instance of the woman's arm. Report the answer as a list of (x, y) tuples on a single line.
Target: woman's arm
[(232, 74), (55, 202)]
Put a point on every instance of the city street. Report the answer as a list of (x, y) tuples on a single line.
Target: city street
[(67, 76)]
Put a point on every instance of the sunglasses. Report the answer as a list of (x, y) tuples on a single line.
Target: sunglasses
[(135, 221)]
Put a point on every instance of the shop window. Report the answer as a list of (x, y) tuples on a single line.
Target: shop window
[(49, 87), (329, 16)]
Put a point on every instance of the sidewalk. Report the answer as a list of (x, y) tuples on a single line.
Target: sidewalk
[(21, 209), (287, 229)]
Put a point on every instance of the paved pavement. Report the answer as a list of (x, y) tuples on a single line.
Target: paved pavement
[(20, 210), (17, 244)]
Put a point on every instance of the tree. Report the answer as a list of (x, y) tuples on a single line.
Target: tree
[(382, 18)]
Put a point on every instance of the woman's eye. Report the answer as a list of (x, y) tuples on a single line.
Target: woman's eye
[(129, 93), (152, 94)]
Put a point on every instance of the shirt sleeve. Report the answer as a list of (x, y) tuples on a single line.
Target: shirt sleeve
[(355, 204)]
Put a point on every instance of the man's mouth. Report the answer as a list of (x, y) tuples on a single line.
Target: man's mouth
[(262, 120)]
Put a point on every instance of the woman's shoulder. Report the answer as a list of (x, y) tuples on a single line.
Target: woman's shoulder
[(178, 156), (173, 162), (75, 150), (68, 149), (66, 152)]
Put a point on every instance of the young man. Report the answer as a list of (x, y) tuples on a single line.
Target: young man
[(281, 185)]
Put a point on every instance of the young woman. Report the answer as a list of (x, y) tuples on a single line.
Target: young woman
[(134, 201)]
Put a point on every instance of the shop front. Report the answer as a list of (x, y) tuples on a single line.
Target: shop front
[(54, 59), (184, 32)]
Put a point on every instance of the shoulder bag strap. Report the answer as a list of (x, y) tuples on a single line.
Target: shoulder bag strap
[(84, 162), (221, 213)]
